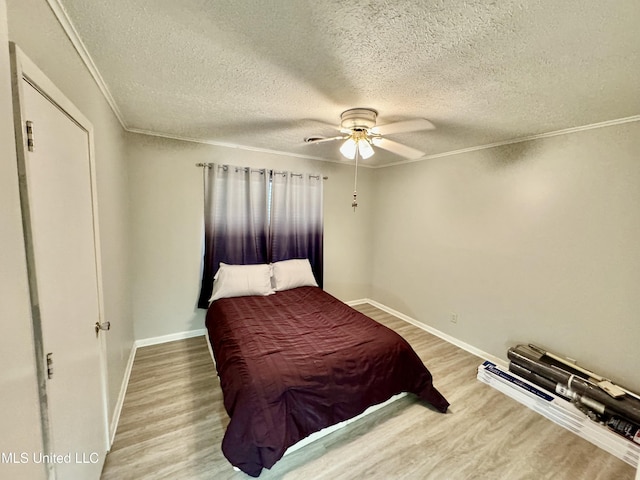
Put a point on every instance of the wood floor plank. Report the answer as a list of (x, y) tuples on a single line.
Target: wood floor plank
[(173, 421)]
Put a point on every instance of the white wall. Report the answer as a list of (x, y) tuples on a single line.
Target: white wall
[(166, 209), (533, 242), (34, 28), (20, 411)]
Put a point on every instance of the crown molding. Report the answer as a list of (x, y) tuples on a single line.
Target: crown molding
[(66, 24), (566, 131)]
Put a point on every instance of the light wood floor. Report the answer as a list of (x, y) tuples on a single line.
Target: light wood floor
[(173, 420)]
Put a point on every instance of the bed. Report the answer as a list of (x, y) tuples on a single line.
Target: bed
[(297, 361)]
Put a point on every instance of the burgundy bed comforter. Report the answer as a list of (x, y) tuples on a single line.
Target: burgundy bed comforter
[(293, 363)]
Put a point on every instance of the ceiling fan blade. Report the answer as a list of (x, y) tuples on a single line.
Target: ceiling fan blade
[(406, 126), (397, 148), (319, 139)]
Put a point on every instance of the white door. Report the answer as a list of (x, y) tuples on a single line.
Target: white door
[(59, 207)]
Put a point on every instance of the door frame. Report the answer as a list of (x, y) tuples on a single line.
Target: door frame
[(23, 69)]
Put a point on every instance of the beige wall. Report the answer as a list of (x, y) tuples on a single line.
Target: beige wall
[(166, 209), (33, 27), (535, 242), (20, 411)]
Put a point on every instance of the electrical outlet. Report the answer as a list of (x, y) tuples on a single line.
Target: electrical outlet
[(454, 318)]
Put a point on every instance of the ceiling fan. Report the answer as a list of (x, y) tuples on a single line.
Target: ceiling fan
[(359, 130)]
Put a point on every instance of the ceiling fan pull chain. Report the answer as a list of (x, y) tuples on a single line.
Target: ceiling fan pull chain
[(354, 204)]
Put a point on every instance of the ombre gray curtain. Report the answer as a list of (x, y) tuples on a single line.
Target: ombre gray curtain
[(296, 219), (236, 220)]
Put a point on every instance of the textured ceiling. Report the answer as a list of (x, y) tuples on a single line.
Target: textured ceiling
[(267, 73)]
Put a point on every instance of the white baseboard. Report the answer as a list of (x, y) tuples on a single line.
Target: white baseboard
[(448, 338), (145, 342), (352, 303)]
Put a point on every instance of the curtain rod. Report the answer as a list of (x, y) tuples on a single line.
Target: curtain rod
[(209, 165)]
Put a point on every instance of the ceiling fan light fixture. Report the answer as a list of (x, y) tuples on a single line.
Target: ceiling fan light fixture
[(358, 118), (348, 148), (360, 134), (365, 149)]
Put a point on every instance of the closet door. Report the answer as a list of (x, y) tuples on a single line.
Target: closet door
[(58, 202)]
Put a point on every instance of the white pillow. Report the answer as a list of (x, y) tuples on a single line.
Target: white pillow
[(241, 281), (293, 273)]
